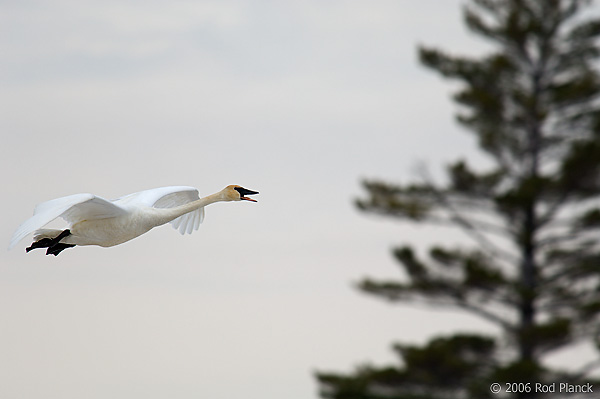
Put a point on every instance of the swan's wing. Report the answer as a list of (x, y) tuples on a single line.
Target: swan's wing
[(72, 208), (170, 197), (179, 196)]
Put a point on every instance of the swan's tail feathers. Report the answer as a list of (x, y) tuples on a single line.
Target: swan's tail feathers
[(47, 238)]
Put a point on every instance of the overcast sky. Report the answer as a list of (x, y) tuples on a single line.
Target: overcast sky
[(299, 100)]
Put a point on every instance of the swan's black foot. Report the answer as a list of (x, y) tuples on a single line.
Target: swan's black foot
[(58, 248), (43, 243), (53, 244)]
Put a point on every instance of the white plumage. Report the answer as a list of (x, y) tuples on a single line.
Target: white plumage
[(93, 220)]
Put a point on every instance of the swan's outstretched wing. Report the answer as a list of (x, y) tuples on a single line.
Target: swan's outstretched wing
[(170, 197), (73, 208), (182, 195)]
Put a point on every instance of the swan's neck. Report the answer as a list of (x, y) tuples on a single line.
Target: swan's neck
[(165, 215)]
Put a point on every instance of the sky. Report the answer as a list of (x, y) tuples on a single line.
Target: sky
[(299, 100)]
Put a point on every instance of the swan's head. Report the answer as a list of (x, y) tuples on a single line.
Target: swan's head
[(238, 193)]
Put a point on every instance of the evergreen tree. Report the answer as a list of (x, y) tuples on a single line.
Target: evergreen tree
[(534, 215)]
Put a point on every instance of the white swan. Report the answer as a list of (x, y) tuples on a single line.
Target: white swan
[(96, 221)]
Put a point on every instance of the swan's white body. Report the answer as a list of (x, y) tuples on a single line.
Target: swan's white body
[(94, 220)]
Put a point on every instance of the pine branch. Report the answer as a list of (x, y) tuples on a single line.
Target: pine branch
[(500, 321), (448, 297), (482, 226), (466, 224)]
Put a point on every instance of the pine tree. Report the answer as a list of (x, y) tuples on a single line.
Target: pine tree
[(534, 216)]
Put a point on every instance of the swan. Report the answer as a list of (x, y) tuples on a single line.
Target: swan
[(94, 220)]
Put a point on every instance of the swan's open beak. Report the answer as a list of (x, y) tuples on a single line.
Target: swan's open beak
[(244, 192)]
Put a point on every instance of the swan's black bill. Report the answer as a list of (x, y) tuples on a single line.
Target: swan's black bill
[(244, 192)]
